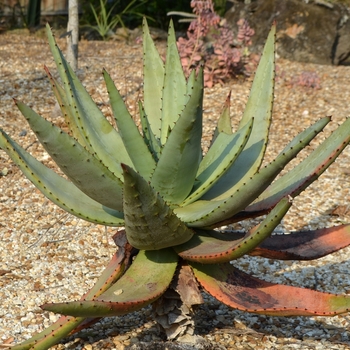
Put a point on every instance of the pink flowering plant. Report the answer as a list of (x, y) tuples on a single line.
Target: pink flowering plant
[(210, 41)]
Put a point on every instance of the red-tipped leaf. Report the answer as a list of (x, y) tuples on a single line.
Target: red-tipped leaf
[(212, 247), (304, 245), (247, 293)]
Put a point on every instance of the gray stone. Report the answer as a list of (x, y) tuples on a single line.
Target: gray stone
[(315, 32)]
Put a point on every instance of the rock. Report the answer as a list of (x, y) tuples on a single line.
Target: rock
[(315, 32)]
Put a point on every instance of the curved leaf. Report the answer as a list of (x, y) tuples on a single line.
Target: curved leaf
[(66, 325), (220, 211), (100, 136), (80, 166), (178, 163), (133, 141), (220, 156), (174, 94), (259, 107), (212, 247), (59, 190), (304, 245), (145, 281), (306, 172), (244, 292)]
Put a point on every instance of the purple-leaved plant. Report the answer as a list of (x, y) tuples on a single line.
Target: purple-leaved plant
[(210, 41)]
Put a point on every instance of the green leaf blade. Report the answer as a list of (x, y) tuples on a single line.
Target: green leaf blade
[(133, 141), (60, 191), (220, 156), (150, 275), (179, 161), (259, 106), (174, 96), (212, 247), (149, 222), (81, 167), (100, 136), (153, 71), (306, 172), (220, 211)]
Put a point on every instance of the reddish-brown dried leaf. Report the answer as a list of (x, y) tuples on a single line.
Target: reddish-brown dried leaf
[(187, 287), (306, 245), (244, 292)]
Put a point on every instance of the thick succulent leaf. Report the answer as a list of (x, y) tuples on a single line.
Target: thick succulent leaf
[(191, 80), (174, 95), (244, 292), (149, 222), (220, 156), (218, 212), (178, 164), (306, 172), (212, 247), (59, 190), (80, 166), (101, 138), (149, 138), (51, 335), (65, 325), (153, 80), (224, 121), (304, 245), (65, 108), (259, 107), (145, 281), (133, 141)]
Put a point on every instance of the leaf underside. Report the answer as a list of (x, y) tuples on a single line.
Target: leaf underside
[(244, 292), (304, 245), (148, 277)]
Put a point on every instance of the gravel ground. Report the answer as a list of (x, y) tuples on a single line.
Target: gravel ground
[(48, 255)]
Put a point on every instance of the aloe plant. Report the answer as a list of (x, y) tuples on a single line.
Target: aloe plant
[(170, 198)]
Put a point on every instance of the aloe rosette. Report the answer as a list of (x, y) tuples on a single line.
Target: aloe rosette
[(170, 198)]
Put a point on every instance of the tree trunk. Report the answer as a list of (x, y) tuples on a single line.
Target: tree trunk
[(73, 34)]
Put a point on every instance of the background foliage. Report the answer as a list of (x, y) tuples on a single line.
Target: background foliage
[(156, 10)]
